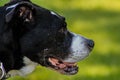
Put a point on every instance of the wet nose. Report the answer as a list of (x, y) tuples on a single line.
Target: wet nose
[(90, 43)]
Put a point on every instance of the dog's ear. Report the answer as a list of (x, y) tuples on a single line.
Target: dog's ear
[(24, 11)]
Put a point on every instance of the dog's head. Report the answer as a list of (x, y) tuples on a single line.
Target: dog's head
[(45, 39)]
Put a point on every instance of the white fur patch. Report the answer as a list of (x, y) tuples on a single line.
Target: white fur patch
[(29, 66), (12, 6), (27, 69), (53, 13), (2, 71), (79, 49)]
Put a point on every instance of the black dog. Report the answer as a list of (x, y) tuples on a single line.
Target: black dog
[(31, 35)]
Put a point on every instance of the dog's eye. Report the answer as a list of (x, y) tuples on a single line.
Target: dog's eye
[(63, 29)]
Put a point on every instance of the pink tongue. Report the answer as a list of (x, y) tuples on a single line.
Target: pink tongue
[(53, 61), (56, 63), (61, 66)]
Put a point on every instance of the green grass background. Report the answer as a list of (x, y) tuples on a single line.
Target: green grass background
[(95, 19)]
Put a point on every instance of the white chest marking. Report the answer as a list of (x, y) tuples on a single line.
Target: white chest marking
[(27, 69), (29, 66)]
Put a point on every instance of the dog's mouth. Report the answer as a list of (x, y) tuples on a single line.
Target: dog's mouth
[(66, 68)]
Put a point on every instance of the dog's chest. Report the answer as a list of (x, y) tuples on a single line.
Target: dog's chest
[(29, 66), (27, 69)]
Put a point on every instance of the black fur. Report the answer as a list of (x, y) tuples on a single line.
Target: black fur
[(38, 38)]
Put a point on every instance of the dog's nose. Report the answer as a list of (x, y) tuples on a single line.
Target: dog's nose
[(90, 43)]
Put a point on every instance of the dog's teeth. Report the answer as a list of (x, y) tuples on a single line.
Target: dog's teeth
[(75, 64)]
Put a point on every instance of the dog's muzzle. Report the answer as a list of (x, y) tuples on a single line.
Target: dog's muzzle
[(79, 49)]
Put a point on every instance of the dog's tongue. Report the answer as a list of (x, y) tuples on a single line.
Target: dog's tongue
[(60, 64)]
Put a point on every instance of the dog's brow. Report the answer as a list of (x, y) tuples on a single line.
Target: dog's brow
[(12, 6)]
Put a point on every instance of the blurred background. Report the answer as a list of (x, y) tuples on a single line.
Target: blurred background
[(95, 19)]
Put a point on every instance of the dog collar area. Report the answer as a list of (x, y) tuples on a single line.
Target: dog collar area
[(3, 75)]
